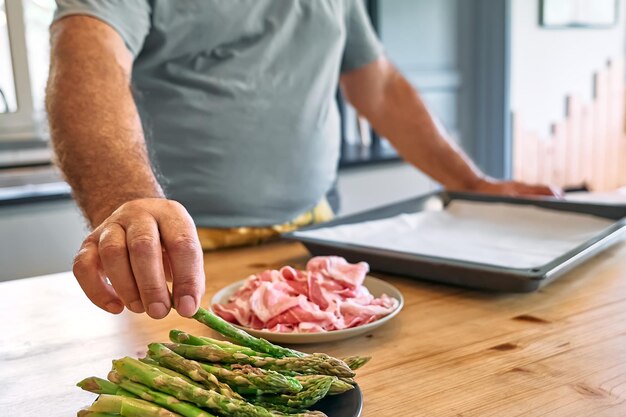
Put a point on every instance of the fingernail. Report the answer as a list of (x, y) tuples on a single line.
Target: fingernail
[(186, 306), (157, 310), (136, 307), (114, 307)]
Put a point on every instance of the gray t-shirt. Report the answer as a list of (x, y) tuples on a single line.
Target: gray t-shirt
[(238, 97)]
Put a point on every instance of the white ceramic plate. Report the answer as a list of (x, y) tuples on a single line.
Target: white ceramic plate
[(376, 286)]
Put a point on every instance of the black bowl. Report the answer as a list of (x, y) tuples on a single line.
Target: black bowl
[(348, 404)]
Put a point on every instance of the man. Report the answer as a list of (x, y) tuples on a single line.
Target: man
[(240, 129)]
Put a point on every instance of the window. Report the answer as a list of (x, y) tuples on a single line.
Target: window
[(360, 144), (8, 102), (24, 57)]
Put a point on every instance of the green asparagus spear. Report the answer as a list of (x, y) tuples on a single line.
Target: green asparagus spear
[(192, 369), (283, 410), (102, 386), (249, 380), (155, 364), (310, 364), (277, 382), (355, 362), (178, 336), (251, 344), (144, 374), (339, 385), (314, 389), (166, 401), (128, 407), (87, 413), (242, 338)]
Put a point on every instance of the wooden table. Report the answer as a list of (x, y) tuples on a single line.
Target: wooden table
[(451, 352)]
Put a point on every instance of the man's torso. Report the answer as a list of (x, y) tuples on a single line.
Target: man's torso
[(218, 78), (237, 97)]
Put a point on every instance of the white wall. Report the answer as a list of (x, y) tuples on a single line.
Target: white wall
[(549, 64), (7, 84)]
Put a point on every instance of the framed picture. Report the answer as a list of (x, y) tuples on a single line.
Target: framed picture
[(578, 13)]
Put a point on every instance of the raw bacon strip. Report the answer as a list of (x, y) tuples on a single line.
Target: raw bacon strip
[(272, 299), (337, 268), (328, 295)]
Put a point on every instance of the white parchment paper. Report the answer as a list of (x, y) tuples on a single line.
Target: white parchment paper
[(505, 235)]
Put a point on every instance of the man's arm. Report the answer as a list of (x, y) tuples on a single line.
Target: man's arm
[(99, 143), (393, 107)]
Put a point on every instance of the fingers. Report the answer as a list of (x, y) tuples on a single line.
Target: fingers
[(141, 245), (185, 257), (535, 190), (516, 189), (539, 190), (557, 191), (87, 271), (116, 265), (144, 250)]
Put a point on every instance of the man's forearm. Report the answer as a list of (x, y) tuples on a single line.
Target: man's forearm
[(95, 127), (396, 111)]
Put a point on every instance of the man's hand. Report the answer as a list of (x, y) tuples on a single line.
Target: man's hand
[(513, 189), (136, 248)]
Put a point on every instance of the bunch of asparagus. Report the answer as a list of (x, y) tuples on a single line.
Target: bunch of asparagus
[(203, 377)]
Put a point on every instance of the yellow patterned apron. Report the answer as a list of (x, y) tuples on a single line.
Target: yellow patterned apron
[(217, 238)]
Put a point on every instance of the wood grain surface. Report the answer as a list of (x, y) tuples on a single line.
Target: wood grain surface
[(451, 352)]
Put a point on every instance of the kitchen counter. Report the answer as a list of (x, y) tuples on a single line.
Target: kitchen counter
[(451, 352), (30, 184)]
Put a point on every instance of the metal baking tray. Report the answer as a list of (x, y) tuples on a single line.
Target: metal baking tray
[(463, 273)]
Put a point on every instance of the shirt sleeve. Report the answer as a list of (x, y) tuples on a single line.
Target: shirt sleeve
[(130, 18), (362, 45)]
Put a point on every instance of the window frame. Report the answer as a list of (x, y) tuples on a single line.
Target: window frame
[(18, 125)]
